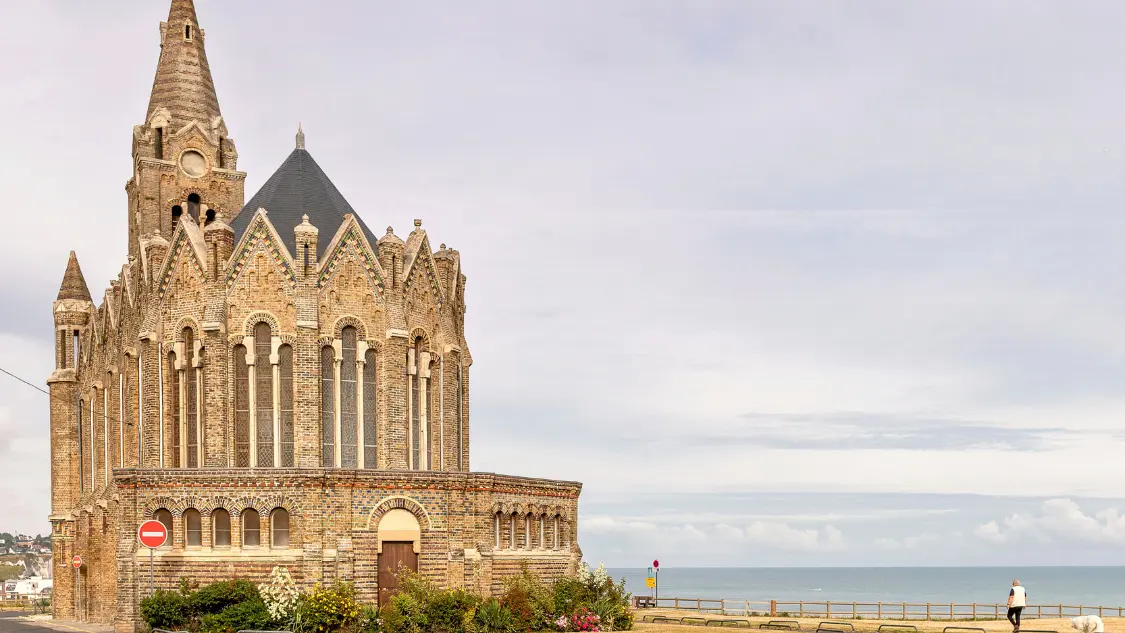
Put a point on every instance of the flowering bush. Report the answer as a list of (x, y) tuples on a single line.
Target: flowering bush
[(280, 594), (326, 609), (584, 620)]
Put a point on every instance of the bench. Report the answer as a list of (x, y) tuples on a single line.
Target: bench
[(976, 629), (684, 620), (644, 602), (726, 621), (781, 625), (658, 618), (898, 627), (835, 626)]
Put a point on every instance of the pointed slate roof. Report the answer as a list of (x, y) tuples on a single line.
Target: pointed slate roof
[(300, 187), (183, 81), (73, 283)]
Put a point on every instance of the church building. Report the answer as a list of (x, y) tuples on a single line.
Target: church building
[(274, 383)]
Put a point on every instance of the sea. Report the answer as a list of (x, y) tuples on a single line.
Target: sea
[(1094, 586)]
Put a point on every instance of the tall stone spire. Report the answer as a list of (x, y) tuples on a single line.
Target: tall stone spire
[(183, 81), (73, 283)]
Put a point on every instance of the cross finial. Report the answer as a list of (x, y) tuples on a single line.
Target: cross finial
[(300, 137)]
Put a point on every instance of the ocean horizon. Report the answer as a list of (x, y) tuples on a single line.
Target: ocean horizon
[(1086, 585)]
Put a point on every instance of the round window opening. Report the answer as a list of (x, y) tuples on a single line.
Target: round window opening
[(193, 163)]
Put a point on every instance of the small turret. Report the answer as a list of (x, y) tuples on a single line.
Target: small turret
[(155, 249), (447, 262), (305, 236), (219, 238), (390, 248)]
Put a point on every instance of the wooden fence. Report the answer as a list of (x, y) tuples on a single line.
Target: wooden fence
[(881, 610)]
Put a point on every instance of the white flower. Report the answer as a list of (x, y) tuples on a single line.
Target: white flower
[(280, 595)]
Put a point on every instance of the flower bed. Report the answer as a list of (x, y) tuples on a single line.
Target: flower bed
[(588, 602)]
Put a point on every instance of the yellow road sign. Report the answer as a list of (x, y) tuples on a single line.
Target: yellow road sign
[(650, 582)]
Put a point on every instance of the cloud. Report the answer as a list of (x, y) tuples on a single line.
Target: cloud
[(1059, 521), (907, 543)]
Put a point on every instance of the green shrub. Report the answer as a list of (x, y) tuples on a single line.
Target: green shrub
[(369, 620), (248, 614), (326, 609), (531, 602), (217, 596), (452, 611), (166, 610), (493, 617)]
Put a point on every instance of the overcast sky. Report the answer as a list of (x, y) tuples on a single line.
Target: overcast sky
[(831, 283)]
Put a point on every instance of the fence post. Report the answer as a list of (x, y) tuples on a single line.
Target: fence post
[(677, 603), (974, 612), (904, 612), (879, 610), (801, 608), (1039, 611), (950, 611), (698, 604), (723, 606), (853, 610), (1099, 612), (996, 609), (773, 608), (927, 611)]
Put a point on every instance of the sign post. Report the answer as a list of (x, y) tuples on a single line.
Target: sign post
[(152, 534), (656, 579), (77, 563)]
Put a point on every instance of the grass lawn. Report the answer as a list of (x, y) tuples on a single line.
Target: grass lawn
[(809, 625)]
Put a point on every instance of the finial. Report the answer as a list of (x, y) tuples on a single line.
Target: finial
[(300, 137), (155, 231), (442, 247), (305, 219), (390, 231), (417, 222)]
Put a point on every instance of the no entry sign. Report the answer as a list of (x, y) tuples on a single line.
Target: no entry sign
[(152, 534), (76, 561)]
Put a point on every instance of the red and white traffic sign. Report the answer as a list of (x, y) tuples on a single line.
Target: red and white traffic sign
[(76, 561), (152, 534), (656, 564)]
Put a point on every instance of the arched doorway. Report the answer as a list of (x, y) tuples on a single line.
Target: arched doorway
[(400, 541)]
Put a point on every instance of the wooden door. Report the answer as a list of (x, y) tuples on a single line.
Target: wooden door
[(395, 554)]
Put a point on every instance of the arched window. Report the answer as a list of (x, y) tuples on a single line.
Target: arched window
[(370, 411), (165, 516), (174, 406), (526, 531), (193, 528), (263, 393), (285, 387), (349, 432), (496, 531), (210, 217), (190, 423), (460, 417), (279, 528), (187, 32), (542, 531), (82, 453), (241, 407), (416, 441), (193, 206), (220, 524), (251, 528), (327, 407), (177, 211), (512, 532), (555, 533)]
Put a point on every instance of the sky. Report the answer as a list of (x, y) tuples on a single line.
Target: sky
[(781, 282)]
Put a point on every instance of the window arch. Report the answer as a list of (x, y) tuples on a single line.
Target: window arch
[(285, 389), (279, 528), (263, 394), (241, 407), (370, 410), (193, 204), (190, 421), (542, 520), (165, 517), (555, 533), (187, 32), (251, 528), (348, 415), (416, 442), (174, 404), (328, 406), (177, 211), (496, 531), (512, 531), (193, 528), (220, 526)]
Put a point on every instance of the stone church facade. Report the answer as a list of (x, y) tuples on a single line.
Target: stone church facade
[(274, 383)]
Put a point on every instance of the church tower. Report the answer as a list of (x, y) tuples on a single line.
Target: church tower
[(184, 161)]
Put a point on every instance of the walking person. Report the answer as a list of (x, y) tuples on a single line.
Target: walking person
[(1017, 600)]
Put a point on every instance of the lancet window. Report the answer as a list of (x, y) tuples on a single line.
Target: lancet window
[(418, 368), (185, 401), (263, 400), (349, 376)]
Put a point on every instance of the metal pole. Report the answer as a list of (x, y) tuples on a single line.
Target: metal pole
[(78, 616), (151, 574), (657, 583)]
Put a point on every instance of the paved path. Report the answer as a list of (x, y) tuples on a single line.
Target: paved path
[(23, 623)]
